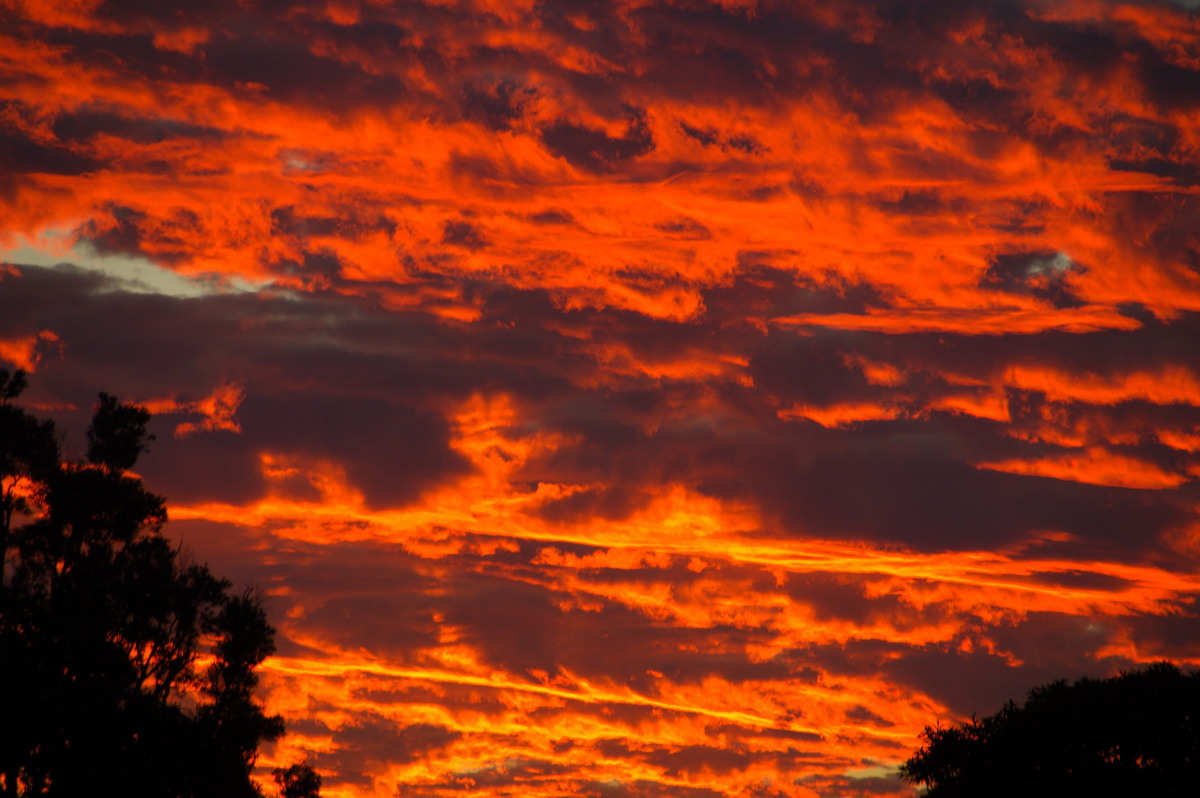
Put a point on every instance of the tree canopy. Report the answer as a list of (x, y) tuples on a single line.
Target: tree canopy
[(1134, 734), (124, 668)]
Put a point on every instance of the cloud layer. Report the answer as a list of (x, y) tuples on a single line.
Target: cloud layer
[(641, 398)]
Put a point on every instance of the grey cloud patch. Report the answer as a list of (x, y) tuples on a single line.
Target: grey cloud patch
[(1043, 274)]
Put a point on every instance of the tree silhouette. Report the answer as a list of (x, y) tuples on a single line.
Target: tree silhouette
[(298, 781), (1131, 735), (123, 667)]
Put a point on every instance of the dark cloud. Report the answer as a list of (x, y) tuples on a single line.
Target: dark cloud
[(552, 216), (1042, 274), (710, 136), (87, 123), (1083, 579), (1175, 636), (936, 503), (595, 150), (370, 741), (763, 289), (22, 155), (522, 628), (496, 105), (864, 715), (464, 234), (707, 136), (122, 231), (1047, 645), (860, 788), (299, 396), (685, 227), (353, 223), (851, 598), (288, 68)]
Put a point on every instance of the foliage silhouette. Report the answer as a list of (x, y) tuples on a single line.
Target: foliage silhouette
[(298, 781), (123, 667), (1130, 735)]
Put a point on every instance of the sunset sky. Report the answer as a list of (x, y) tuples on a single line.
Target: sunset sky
[(637, 398)]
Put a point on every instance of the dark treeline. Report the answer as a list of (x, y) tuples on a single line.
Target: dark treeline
[(1135, 734), (124, 668)]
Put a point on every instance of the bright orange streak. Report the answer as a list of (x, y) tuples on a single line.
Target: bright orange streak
[(1094, 466), (1169, 385), (972, 321), (991, 405), (586, 693), (842, 415)]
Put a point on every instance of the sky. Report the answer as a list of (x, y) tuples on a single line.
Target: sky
[(639, 398)]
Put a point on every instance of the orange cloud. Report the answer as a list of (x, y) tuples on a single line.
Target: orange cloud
[(842, 415), (25, 353), (1168, 385), (975, 321), (1095, 466), (217, 410)]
